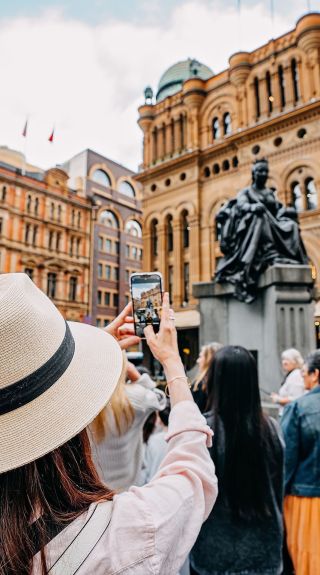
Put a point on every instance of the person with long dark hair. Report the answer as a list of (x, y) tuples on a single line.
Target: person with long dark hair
[(301, 428), (56, 515), (243, 534)]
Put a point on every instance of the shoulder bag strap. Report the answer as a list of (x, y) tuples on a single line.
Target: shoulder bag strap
[(83, 544)]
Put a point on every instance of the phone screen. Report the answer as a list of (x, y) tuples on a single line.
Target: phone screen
[(146, 292)]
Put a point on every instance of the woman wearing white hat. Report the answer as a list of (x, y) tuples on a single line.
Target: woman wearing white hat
[(55, 514)]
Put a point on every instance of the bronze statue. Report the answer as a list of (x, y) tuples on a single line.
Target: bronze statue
[(256, 231)]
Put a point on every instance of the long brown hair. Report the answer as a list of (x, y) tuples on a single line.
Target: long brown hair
[(61, 485)]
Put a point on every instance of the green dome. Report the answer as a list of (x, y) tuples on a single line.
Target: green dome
[(172, 80)]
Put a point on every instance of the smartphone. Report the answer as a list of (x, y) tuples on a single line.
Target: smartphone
[(146, 294)]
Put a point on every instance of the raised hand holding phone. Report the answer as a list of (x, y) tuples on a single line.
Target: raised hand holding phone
[(164, 347)]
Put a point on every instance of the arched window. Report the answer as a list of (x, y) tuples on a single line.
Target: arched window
[(154, 237), (127, 189), (269, 92), (59, 213), (185, 229), (296, 196), (133, 228), (107, 218), (28, 203), (257, 96), (225, 165), (36, 206), (169, 231), (52, 211), (227, 125), (102, 178), (295, 80), (4, 193), (215, 129), (235, 162), (154, 145), (282, 86), (311, 194)]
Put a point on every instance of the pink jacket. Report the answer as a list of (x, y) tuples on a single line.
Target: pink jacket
[(153, 527)]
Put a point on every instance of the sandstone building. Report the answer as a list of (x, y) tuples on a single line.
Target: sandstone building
[(201, 135), (45, 232)]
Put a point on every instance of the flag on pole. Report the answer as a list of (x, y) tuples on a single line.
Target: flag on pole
[(51, 136), (25, 129)]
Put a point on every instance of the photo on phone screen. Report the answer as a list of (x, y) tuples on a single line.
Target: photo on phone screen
[(146, 292)]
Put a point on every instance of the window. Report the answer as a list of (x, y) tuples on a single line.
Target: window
[(126, 299), (106, 322), (52, 211), (167, 182), (127, 189), (282, 86), (100, 243), (71, 246), (235, 162), (51, 285), (59, 213), (29, 272), (99, 297), (296, 196), (170, 282), (140, 253), (28, 206), (4, 193), (79, 220), (117, 247), (154, 237), (35, 236), (134, 253), (116, 274), (225, 165), (26, 233), (302, 133), (295, 80), (257, 96), (73, 288), (127, 251), (269, 92), (58, 241), (107, 272), (311, 194), (50, 240), (78, 247), (186, 282), (99, 270), (133, 228), (185, 229), (206, 172), (36, 206), (255, 149), (127, 276), (216, 169), (108, 246), (227, 125), (108, 219), (107, 298), (169, 234), (102, 178), (215, 129), (115, 300), (98, 322), (73, 215)]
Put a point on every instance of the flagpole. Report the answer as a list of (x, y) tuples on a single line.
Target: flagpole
[(239, 24)]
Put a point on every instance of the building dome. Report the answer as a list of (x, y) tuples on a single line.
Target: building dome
[(172, 80)]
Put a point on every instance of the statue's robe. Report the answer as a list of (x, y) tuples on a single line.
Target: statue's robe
[(252, 241)]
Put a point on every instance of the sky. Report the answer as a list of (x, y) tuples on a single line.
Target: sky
[(81, 66)]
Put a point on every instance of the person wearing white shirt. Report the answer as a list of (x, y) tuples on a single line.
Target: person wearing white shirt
[(292, 386)]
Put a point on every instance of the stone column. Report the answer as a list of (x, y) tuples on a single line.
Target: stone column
[(264, 106), (147, 255), (252, 108), (276, 91), (154, 151), (168, 140), (162, 249), (288, 85), (147, 147), (178, 280), (161, 143), (194, 251)]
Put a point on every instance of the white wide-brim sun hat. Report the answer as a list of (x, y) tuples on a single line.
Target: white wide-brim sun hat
[(55, 377)]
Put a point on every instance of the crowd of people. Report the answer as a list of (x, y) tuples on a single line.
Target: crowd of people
[(103, 472)]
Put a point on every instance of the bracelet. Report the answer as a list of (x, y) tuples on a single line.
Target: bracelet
[(186, 379)]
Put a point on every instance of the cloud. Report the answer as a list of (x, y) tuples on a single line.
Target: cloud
[(88, 80)]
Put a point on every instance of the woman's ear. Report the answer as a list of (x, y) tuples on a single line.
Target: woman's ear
[(316, 375)]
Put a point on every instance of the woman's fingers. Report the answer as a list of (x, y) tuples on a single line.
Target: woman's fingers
[(129, 341)]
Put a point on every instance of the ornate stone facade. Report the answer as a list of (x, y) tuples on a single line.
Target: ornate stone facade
[(199, 144), (45, 232)]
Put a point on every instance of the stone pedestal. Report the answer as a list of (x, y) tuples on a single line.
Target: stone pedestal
[(281, 317)]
